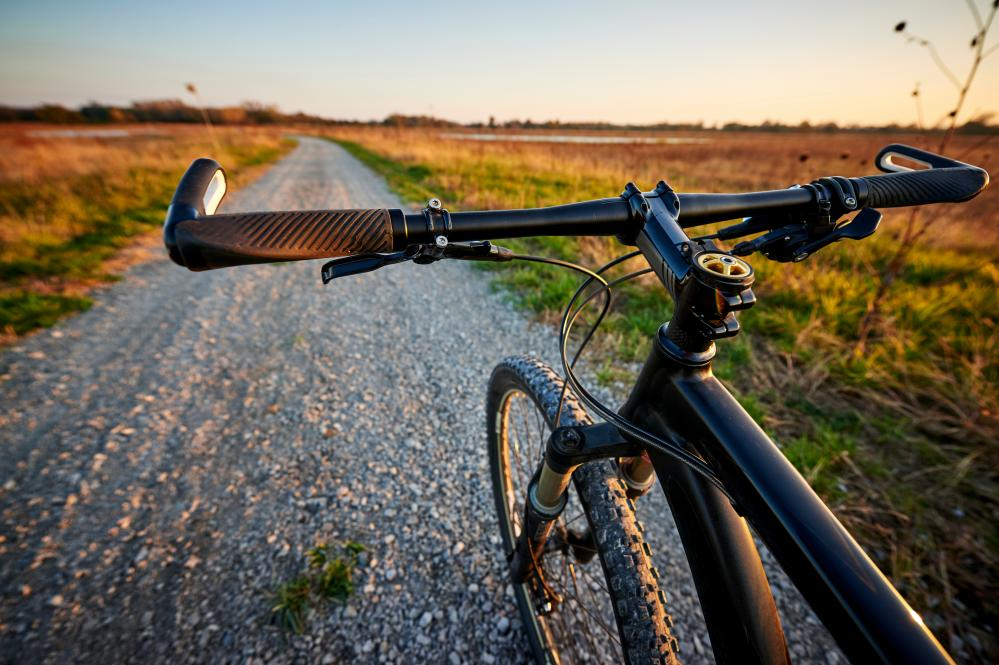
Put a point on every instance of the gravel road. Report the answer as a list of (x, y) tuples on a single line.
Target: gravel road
[(170, 455)]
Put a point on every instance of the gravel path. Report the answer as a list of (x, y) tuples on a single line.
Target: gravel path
[(169, 456)]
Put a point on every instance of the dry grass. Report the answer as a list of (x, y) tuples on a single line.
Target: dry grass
[(902, 442), (70, 203)]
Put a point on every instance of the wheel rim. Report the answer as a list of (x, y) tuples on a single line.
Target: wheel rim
[(581, 628)]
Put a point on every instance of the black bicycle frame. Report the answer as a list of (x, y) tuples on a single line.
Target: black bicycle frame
[(681, 400)]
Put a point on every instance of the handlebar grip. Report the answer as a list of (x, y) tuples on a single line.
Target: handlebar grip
[(935, 185), (221, 241)]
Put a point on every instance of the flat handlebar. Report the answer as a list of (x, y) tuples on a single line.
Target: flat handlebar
[(199, 240)]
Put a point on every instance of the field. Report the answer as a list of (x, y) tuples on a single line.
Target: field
[(898, 436), (71, 200)]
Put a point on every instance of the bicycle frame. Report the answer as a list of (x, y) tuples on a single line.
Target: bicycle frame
[(677, 398), (680, 399)]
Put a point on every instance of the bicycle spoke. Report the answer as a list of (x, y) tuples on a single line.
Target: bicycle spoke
[(528, 430), (593, 578), (568, 628), (542, 434), (565, 592), (570, 521), (596, 603), (588, 633), (567, 634), (596, 618), (529, 452), (516, 448)]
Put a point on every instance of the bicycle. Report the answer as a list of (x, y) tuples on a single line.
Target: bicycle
[(564, 485)]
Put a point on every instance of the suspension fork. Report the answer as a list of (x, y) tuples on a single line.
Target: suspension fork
[(566, 450), (637, 473)]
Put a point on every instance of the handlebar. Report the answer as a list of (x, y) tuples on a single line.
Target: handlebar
[(200, 240)]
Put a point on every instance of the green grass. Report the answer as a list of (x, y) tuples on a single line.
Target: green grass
[(327, 578), (110, 227), (23, 312)]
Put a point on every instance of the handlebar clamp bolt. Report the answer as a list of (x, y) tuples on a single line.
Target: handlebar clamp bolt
[(440, 241), (569, 438), (434, 204)]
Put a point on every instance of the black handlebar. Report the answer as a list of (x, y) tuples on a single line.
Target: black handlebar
[(199, 240)]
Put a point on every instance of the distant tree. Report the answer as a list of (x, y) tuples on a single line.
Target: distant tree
[(94, 112), (229, 115), (264, 114), (165, 110), (57, 114), (979, 124)]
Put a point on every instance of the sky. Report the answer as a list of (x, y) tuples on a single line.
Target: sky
[(631, 62)]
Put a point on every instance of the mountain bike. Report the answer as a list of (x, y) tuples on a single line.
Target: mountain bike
[(565, 484)]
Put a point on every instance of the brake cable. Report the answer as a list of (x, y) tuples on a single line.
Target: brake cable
[(569, 318)]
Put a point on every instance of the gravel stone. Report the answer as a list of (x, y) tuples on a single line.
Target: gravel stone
[(171, 454)]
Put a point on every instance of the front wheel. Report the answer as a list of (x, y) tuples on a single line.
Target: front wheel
[(572, 609)]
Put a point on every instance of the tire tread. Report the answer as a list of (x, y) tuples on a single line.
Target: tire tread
[(639, 603)]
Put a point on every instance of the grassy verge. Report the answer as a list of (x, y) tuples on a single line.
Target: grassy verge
[(900, 441), (62, 224)]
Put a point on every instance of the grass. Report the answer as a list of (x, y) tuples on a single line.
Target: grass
[(23, 312), (68, 206), (327, 578), (898, 441)]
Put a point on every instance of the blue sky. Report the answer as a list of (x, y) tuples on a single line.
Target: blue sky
[(620, 61)]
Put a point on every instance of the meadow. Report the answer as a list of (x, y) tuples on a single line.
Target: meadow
[(898, 435), (72, 199)]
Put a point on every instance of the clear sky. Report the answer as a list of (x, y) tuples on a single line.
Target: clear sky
[(639, 62)]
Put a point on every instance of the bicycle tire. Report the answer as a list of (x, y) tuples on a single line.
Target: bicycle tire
[(631, 581)]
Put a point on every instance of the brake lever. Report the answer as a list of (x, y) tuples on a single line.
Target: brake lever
[(360, 263), (863, 225), (422, 254), (791, 243)]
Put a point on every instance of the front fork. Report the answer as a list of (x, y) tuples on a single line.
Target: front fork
[(566, 450)]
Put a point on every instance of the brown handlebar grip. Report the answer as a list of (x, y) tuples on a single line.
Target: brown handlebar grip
[(220, 241)]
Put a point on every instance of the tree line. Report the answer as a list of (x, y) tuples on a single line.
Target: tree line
[(254, 113)]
